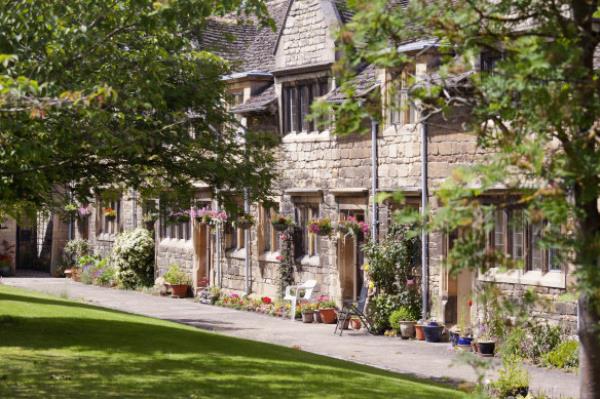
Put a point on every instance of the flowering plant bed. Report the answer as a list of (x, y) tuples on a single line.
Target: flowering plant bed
[(320, 227)]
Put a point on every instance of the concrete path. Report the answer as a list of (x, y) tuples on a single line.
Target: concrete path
[(421, 359)]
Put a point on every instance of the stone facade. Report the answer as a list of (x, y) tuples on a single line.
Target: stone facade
[(332, 176)]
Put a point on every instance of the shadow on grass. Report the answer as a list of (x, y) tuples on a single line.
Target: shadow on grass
[(58, 356)]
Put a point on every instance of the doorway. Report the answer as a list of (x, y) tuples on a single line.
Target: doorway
[(351, 259), (458, 289), (34, 243), (201, 274)]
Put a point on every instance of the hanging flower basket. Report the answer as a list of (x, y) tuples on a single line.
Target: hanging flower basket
[(321, 227), (110, 213), (281, 223), (353, 227), (179, 217), (244, 221)]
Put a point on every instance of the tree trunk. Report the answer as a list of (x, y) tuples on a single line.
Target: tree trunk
[(588, 269)]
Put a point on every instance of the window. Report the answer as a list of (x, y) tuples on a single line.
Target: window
[(270, 237), (110, 217), (401, 110), (513, 235), (297, 99), (489, 59), (179, 230), (307, 243)]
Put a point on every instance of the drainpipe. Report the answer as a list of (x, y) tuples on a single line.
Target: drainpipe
[(374, 181), (218, 251), (247, 247), (424, 236)]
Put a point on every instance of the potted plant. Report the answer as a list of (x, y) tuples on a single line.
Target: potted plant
[(355, 323), (454, 334), (486, 344), (281, 223), (178, 281), (352, 226), (244, 221), (403, 321), (327, 311), (321, 227), (110, 213), (433, 331), (203, 216), (84, 211), (182, 216), (70, 211), (419, 332), (5, 265), (308, 312)]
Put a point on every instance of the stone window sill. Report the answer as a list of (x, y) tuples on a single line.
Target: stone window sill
[(310, 260), (106, 237), (175, 243), (552, 279), (302, 137), (239, 253), (269, 257)]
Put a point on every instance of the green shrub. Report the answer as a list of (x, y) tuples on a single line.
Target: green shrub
[(75, 249), (133, 258), (402, 314), (565, 355), (96, 270), (512, 376), (380, 310), (532, 343), (176, 276)]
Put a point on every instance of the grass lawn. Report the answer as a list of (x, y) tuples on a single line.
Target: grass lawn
[(55, 348)]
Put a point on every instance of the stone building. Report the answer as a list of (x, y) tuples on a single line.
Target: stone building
[(278, 74)]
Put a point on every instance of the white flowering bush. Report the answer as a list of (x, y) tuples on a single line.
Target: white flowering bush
[(133, 257)]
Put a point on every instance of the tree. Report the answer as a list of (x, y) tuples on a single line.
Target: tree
[(97, 94), (538, 111)]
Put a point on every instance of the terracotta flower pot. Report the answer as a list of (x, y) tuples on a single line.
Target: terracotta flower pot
[(355, 324), (328, 315), (179, 290), (420, 335), (318, 317)]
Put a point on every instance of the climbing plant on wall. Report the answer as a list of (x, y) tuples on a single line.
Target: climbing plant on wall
[(286, 259)]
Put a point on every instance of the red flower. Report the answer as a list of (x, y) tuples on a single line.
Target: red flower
[(470, 302), (266, 300), (280, 258)]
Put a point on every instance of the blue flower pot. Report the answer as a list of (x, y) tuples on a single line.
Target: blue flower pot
[(433, 332), (464, 341)]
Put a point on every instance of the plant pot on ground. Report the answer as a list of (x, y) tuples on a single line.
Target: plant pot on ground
[(355, 323), (318, 317), (419, 333), (404, 321), (328, 315), (465, 344), (178, 281), (5, 270), (308, 316), (433, 331), (486, 348)]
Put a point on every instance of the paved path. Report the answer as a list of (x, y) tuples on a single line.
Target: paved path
[(426, 360)]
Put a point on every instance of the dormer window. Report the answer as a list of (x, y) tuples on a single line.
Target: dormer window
[(297, 98)]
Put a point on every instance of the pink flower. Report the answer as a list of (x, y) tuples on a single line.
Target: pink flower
[(313, 228), (280, 258)]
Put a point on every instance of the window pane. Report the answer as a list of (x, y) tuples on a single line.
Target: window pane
[(517, 233), (267, 229), (499, 232), (537, 253)]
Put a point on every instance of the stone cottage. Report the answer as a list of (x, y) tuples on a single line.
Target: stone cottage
[(278, 74)]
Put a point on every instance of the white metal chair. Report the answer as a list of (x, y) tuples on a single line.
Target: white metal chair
[(292, 294)]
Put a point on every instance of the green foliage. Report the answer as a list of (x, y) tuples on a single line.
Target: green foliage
[(392, 269), (401, 314), (96, 270), (133, 257), (95, 93), (75, 249), (564, 356), (176, 276), (380, 309), (532, 342), (511, 377), (286, 259)]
